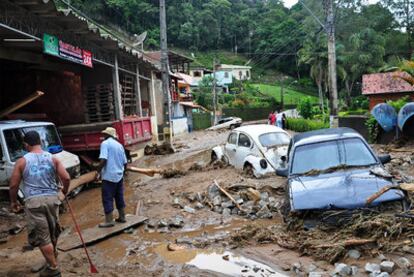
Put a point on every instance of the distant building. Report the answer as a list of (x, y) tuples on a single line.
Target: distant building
[(380, 87), (239, 72), (197, 73)]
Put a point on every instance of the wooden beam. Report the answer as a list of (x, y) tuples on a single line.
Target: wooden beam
[(20, 104), (117, 91), (96, 234), (138, 91)]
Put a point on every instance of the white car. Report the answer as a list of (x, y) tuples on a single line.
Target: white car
[(227, 123), (256, 149)]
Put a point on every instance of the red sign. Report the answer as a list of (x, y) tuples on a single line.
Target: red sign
[(67, 51), (87, 58)]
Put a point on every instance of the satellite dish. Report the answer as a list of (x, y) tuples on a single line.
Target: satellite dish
[(137, 40)]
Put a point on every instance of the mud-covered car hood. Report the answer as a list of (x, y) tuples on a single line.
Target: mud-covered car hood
[(344, 189)]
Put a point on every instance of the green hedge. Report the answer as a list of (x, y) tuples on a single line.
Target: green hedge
[(304, 125)]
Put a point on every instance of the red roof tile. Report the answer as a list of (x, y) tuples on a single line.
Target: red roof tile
[(384, 83)]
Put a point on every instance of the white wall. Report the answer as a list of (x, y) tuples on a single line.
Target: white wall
[(179, 126)]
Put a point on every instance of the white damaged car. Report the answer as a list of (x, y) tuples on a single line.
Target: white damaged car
[(256, 149)]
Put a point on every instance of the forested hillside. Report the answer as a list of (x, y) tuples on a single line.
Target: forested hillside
[(369, 37)]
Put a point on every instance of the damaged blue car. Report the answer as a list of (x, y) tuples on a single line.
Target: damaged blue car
[(334, 169)]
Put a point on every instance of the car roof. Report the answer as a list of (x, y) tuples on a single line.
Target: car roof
[(256, 130), (13, 124), (325, 135)]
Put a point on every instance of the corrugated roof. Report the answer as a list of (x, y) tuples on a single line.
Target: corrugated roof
[(75, 23), (380, 83)]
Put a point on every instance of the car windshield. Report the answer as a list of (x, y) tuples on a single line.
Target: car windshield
[(325, 155), (274, 139), (48, 136)]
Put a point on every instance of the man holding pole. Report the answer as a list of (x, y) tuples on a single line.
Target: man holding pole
[(40, 173), (112, 166)]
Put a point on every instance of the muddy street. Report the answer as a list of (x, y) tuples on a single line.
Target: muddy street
[(193, 229)]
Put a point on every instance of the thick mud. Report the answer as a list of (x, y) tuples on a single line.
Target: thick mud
[(184, 236)]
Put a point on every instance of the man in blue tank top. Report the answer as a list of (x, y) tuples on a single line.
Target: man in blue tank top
[(112, 165), (39, 171)]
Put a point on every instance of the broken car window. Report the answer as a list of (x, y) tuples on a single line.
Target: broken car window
[(274, 139), (244, 141), (232, 138), (48, 136)]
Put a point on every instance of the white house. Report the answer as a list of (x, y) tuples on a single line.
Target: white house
[(239, 72)]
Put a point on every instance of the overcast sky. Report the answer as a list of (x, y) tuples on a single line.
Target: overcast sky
[(290, 3)]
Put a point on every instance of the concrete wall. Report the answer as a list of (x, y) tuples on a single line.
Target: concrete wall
[(179, 126), (356, 122)]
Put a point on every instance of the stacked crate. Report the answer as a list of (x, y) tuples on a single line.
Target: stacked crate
[(128, 95), (99, 103)]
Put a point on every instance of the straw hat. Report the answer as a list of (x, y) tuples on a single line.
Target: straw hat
[(110, 132)]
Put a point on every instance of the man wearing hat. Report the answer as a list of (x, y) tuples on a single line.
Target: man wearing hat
[(39, 171), (112, 165)]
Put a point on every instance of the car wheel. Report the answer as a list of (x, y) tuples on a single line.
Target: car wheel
[(214, 156), (232, 127), (285, 210), (248, 170)]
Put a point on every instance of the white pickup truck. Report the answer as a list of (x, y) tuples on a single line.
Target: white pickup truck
[(12, 148)]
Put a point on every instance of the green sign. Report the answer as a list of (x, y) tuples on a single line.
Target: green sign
[(56, 47), (50, 45)]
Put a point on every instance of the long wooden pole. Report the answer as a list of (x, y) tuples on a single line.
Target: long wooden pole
[(20, 104)]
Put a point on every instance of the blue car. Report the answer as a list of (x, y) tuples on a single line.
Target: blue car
[(334, 169)]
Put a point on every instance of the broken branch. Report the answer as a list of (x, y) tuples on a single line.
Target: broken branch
[(347, 243), (147, 171), (228, 195)]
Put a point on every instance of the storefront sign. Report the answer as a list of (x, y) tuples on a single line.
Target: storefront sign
[(53, 46)]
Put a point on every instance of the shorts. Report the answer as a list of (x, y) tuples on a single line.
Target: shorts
[(42, 215)]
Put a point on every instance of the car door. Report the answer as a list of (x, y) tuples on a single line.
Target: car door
[(244, 148), (230, 147)]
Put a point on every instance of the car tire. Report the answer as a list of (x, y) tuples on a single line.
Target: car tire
[(248, 170), (285, 210), (232, 127), (214, 156)]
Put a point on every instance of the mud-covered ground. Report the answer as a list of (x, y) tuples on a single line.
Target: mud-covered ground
[(187, 235)]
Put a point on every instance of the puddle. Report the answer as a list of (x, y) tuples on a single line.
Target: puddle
[(212, 259), (234, 266)]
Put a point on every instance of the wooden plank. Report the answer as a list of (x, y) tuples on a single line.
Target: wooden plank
[(96, 234)]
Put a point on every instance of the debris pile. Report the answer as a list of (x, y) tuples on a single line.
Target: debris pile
[(370, 232)]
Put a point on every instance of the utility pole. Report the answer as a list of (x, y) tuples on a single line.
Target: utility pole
[(214, 92), (333, 88), (329, 28), (165, 73)]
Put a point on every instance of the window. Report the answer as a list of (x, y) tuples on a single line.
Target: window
[(324, 155), (48, 136), (226, 75), (244, 141), (274, 139), (240, 74), (247, 73), (232, 138), (197, 74)]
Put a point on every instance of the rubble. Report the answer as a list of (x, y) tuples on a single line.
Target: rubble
[(176, 222), (342, 270), (387, 266), (354, 254), (188, 209), (246, 201), (372, 268)]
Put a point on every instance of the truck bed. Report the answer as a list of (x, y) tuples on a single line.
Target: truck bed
[(86, 137)]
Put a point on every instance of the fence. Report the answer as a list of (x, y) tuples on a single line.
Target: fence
[(201, 121), (249, 114)]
